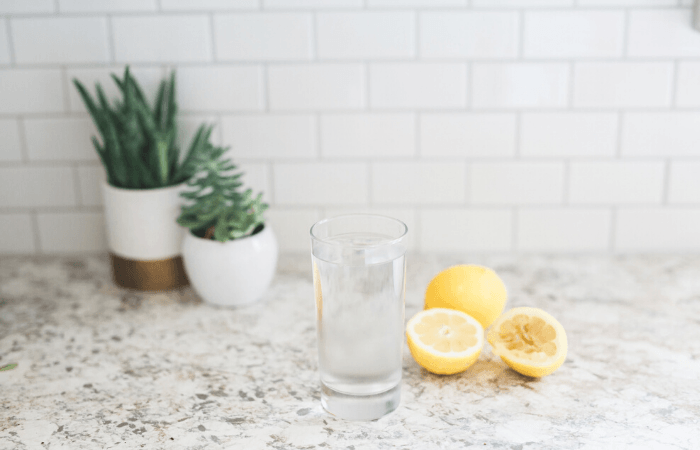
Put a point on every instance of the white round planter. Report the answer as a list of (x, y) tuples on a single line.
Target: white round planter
[(232, 273), (141, 223)]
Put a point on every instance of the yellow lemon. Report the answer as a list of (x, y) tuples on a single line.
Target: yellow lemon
[(475, 290), (444, 341), (530, 341)]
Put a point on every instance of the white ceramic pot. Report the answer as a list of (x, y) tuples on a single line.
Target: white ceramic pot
[(231, 273), (142, 223), (144, 238)]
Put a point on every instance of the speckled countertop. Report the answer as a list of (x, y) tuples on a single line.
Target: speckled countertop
[(103, 368)]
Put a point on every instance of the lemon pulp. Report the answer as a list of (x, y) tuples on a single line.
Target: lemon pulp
[(444, 341), (530, 341)]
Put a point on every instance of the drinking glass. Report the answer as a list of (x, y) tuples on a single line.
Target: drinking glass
[(359, 270)]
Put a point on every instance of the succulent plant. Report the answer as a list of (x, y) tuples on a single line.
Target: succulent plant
[(216, 208), (138, 145)]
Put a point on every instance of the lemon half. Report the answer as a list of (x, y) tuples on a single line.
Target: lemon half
[(472, 289), (529, 340), (444, 341)]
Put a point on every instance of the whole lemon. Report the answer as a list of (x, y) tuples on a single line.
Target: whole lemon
[(472, 289)]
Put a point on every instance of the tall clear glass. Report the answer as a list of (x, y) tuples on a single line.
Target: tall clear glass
[(359, 269)]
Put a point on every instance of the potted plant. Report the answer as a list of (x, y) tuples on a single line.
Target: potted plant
[(145, 176), (230, 253)]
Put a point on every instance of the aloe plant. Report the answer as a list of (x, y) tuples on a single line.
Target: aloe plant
[(216, 208), (138, 145)]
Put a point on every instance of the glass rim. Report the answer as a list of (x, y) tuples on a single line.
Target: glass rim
[(396, 240)]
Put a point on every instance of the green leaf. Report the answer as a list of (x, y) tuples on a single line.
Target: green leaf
[(139, 147), (8, 367), (158, 104), (162, 152)]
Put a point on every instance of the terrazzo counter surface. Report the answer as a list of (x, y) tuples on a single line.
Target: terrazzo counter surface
[(101, 368)]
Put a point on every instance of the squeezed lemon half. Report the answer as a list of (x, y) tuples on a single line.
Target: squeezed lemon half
[(444, 341), (529, 340)]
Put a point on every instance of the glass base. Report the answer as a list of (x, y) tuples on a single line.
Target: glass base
[(360, 407)]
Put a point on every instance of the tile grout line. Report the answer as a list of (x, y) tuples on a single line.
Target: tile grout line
[(467, 183), (521, 34), (416, 37), (619, 137), (470, 87), (416, 141), (50, 209), (271, 172), (66, 88), (518, 134), (110, 37), (318, 137), (572, 84), (212, 36), (314, 36), (306, 112), (10, 41), (76, 185), (666, 188), (67, 163), (625, 38), (370, 184), (514, 230), (220, 131), (417, 218), (613, 226), (565, 188), (675, 84), (496, 61), (36, 234), (265, 86), (367, 92), (310, 9), (23, 145)]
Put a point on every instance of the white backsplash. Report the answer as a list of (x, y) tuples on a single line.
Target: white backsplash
[(486, 125)]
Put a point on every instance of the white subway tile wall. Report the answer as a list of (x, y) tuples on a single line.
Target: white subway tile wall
[(4, 43), (325, 86), (263, 136), (60, 40), (568, 134), (369, 35), (563, 230), (520, 85), (516, 183), (685, 182), (220, 88), (71, 232), (486, 125), (59, 139), (687, 87), (263, 36), (623, 84), (418, 182), (473, 34), (374, 135), (16, 234), (10, 144), (580, 34), (459, 135)]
